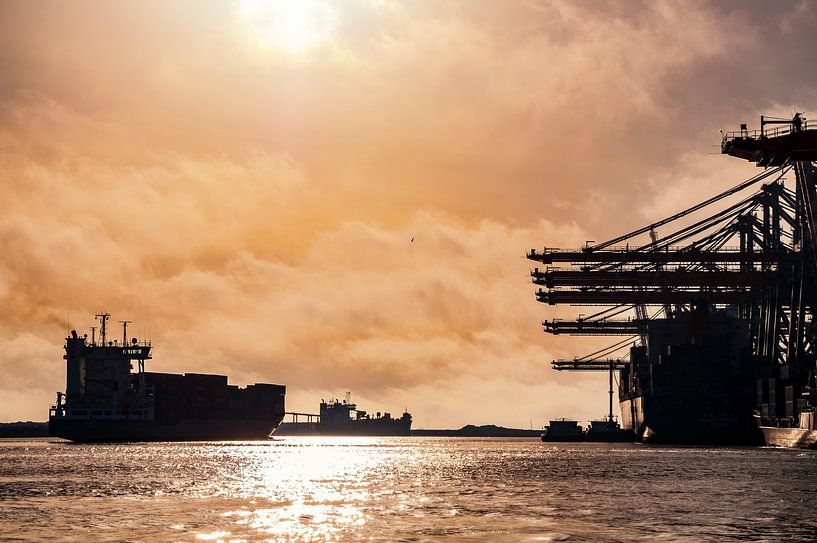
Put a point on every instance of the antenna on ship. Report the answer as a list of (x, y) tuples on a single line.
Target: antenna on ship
[(93, 335), (125, 332), (102, 317)]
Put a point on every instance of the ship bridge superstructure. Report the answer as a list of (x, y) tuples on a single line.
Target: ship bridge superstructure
[(100, 382)]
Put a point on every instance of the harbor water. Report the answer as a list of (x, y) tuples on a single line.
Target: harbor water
[(313, 489)]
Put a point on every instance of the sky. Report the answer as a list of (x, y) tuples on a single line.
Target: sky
[(243, 181)]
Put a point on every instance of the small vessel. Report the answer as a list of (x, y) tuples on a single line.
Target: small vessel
[(777, 434), (786, 412), (343, 418), (105, 401), (563, 430), (608, 430)]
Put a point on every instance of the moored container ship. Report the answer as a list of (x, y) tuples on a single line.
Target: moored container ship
[(106, 401), (693, 385), (343, 418)]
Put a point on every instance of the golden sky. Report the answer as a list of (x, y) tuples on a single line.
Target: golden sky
[(243, 181)]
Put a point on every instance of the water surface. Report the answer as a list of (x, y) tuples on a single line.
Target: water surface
[(309, 489)]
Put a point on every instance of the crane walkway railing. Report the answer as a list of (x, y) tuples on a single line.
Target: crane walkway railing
[(768, 132)]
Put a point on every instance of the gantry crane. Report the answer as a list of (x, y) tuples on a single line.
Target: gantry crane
[(750, 248)]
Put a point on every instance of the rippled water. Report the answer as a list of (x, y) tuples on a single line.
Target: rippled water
[(403, 489)]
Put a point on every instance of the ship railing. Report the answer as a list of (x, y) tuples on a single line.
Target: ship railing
[(779, 422), (311, 418), (101, 414)]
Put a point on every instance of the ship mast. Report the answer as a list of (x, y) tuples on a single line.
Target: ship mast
[(103, 318), (124, 332)]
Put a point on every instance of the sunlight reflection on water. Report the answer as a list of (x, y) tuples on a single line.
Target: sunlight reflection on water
[(318, 486)]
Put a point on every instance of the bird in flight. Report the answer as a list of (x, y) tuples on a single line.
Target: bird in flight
[(412, 240)]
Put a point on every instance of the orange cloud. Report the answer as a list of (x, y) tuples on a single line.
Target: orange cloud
[(251, 208)]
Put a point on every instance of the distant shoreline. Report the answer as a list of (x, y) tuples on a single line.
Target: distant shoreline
[(24, 429), (40, 429), (470, 430)]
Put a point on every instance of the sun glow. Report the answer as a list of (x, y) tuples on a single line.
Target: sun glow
[(294, 26)]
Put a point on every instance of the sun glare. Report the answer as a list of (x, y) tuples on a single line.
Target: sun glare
[(295, 26)]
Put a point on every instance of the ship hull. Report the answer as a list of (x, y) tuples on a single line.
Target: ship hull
[(789, 437), (776, 432), (355, 428), (693, 383), (110, 431), (689, 421), (562, 439), (614, 436), (623, 437)]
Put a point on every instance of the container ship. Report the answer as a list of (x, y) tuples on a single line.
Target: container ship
[(694, 384), (105, 400), (343, 418)]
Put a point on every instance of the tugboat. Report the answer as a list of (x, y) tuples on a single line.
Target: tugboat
[(343, 418), (563, 430), (608, 430), (104, 401)]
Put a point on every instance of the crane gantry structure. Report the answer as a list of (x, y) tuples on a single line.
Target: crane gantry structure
[(749, 250)]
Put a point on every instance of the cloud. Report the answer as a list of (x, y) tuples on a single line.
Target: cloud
[(252, 209)]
